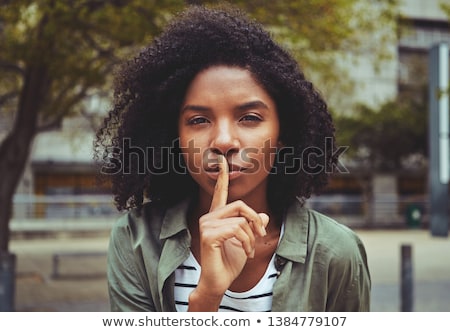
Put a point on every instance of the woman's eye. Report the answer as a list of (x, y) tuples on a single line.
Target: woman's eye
[(197, 121), (251, 118)]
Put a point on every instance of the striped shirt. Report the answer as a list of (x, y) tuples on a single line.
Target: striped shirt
[(258, 298)]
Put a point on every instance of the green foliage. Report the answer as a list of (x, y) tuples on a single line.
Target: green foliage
[(324, 35), (446, 8), (78, 42), (383, 139), (394, 135)]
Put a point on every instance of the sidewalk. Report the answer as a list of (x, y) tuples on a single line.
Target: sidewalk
[(82, 283), (431, 269)]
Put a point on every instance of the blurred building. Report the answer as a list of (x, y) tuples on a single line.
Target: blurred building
[(391, 200), (60, 180), (421, 25), (61, 164)]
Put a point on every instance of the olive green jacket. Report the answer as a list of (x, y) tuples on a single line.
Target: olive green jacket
[(322, 264)]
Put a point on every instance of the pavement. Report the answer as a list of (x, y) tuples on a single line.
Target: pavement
[(80, 285), (430, 269)]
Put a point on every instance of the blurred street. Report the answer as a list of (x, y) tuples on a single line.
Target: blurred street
[(81, 282)]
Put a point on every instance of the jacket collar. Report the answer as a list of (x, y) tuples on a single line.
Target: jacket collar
[(294, 243), (174, 220)]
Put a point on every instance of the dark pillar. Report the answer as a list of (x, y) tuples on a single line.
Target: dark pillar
[(407, 279), (439, 139), (7, 281)]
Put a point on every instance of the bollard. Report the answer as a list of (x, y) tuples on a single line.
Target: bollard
[(7, 281), (406, 279)]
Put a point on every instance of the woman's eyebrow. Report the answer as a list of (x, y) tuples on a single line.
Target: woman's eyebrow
[(256, 104), (194, 108)]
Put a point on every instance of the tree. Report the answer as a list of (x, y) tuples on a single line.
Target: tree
[(446, 8), (394, 135), (327, 36), (385, 138), (53, 55)]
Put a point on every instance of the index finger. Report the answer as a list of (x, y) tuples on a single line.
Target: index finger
[(221, 189)]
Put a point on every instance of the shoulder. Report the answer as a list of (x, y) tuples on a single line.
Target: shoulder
[(341, 252), (323, 239), (318, 228), (153, 221), (336, 256), (326, 230), (309, 233), (335, 244), (137, 221)]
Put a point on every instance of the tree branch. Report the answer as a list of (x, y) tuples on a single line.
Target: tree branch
[(94, 5), (102, 52), (9, 66), (7, 96), (63, 109)]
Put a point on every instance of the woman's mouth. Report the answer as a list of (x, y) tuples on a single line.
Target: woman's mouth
[(234, 171)]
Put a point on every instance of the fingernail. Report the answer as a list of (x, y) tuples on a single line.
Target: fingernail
[(264, 218), (263, 231)]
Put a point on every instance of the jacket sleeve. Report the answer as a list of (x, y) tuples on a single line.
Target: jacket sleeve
[(127, 284), (352, 283)]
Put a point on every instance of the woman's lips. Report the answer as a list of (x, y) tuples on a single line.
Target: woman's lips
[(234, 172)]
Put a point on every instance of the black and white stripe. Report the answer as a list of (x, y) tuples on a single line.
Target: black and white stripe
[(259, 298)]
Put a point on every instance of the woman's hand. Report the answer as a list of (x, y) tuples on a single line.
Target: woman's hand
[(227, 239)]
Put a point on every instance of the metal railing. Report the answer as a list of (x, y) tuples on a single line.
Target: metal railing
[(66, 213), (63, 206), (90, 211)]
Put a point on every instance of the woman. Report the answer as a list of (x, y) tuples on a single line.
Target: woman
[(214, 142)]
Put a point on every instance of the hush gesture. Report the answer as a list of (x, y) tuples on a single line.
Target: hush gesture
[(227, 239)]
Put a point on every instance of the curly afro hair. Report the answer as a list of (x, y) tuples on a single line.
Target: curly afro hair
[(137, 145)]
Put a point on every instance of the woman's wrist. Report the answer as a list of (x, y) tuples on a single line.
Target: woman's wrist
[(204, 301)]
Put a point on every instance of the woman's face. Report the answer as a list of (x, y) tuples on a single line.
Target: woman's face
[(226, 111)]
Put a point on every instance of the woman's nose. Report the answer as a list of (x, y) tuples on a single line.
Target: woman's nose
[(224, 140)]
